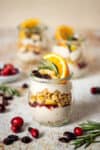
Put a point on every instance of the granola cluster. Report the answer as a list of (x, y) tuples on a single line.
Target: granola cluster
[(55, 98)]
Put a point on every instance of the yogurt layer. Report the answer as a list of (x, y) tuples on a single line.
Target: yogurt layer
[(38, 87), (53, 116), (27, 56)]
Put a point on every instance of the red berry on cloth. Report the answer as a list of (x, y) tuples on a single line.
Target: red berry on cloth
[(78, 131), (34, 132), (17, 121), (15, 129)]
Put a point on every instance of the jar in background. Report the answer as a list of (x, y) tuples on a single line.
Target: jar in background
[(32, 41)]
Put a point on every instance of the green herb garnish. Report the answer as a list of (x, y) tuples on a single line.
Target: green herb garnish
[(48, 65), (92, 131), (9, 91)]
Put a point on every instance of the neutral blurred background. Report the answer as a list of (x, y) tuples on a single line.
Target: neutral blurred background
[(77, 13)]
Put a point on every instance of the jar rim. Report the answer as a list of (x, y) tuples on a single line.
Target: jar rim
[(50, 81), (80, 39)]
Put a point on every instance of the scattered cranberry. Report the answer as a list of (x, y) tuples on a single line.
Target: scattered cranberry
[(34, 132), (10, 139), (69, 135), (25, 86), (13, 137), (7, 141), (78, 131), (15, 129), (26, 139), (2, 108), (95, 90), (63, 139), (17, 121), (82, 65)]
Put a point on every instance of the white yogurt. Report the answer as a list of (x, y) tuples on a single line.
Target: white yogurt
[(28, 56), (63, 51), (74, 56), (53, 116)]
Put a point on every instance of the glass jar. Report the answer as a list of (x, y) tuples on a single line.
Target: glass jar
[(72, 51), (51, 100), (32, 43)]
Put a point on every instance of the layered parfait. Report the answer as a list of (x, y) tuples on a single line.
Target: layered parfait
[(51, 91), (32, 40), (70, 45)]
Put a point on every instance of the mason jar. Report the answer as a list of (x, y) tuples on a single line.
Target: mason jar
[(73, 52), (51, 100), (33, 43)]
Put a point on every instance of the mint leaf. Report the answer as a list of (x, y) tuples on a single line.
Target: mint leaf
[(48, 65)]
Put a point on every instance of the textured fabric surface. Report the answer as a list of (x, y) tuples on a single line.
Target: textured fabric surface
[(86, 106)]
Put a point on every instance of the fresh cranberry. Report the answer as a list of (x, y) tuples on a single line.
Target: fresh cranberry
[(34, 132), (26, 139), (82, 65), (5, 72), (78, 131), (95, 90), (69, 135), (10, 66), (7, 141), (63, 140), (25, 86), (14, 71), (13, 137), (17, 121), (15, 129)]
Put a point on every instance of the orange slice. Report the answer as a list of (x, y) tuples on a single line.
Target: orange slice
[(22, 35), (63, 32), (60, 63), (30, 23)]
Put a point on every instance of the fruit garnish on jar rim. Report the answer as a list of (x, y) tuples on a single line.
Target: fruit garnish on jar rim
[(52, 66), (66, 37), (63, 32), (30, 26)]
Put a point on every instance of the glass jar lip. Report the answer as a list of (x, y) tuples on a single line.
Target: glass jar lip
[(51, 81), (80, 39)]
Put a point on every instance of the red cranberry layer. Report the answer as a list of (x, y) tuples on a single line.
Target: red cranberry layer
[(42, 105)]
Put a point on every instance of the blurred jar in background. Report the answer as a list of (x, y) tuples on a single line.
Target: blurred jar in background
[(70, 45), (32, 41)]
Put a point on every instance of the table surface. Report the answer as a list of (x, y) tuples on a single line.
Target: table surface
[(86, 107)]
